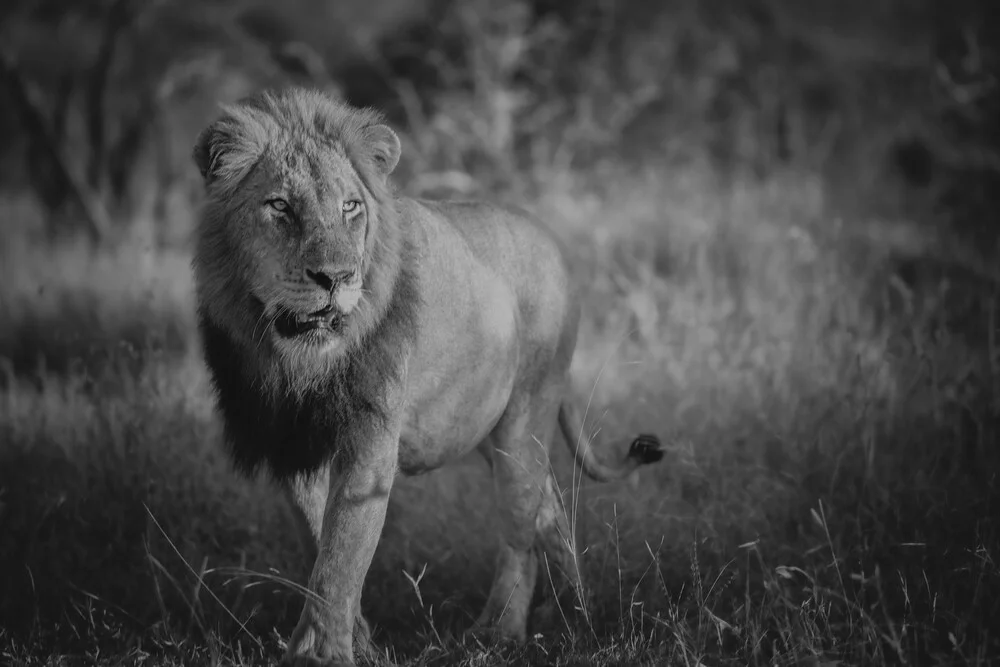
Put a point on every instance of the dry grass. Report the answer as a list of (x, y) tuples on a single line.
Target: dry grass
[(827, 498)]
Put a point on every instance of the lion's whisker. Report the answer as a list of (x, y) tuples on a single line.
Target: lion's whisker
[(253, 334), (270, 323)]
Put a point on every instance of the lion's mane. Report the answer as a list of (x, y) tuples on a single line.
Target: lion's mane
[(274, 415)]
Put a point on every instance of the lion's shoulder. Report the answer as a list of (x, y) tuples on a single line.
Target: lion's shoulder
[(502, 234), (502, 256)]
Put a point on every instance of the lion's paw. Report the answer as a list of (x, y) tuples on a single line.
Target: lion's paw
[(646, 448), (304, 645)]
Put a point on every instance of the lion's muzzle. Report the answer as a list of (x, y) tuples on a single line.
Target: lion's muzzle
[(330, 278)]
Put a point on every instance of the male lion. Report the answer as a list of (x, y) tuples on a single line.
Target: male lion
[(353, 334)]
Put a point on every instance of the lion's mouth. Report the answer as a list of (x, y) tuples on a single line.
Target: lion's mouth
[(291, 325)]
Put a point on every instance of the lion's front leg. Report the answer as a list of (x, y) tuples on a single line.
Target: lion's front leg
[(351, 526)]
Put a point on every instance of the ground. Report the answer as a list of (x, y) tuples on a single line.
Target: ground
[(828, 395)]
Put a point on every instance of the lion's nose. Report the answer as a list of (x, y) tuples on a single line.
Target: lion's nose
[(329, 278)]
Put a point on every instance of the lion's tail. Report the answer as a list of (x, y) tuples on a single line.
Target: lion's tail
[(644, 449)]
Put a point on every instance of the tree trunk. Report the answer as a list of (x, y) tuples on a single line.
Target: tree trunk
[(42, 140), (119, 16)]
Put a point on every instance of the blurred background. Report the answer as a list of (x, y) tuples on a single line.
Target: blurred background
[(783, 214), (102, 98)]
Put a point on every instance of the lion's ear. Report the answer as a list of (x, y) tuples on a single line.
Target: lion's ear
[(208, 149), (384, 147), (228, 148)]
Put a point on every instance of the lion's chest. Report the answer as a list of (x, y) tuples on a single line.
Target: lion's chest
[(461, 382)]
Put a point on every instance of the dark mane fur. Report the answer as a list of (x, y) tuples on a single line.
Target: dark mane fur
[(292, 432)]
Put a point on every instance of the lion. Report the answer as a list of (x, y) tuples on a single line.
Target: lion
[(353, 334)]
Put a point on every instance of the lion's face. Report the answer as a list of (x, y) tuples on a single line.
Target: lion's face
[(311, 215), (296, 193)]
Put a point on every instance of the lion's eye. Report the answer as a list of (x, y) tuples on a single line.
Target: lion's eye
[(350, 206), (278, 204)]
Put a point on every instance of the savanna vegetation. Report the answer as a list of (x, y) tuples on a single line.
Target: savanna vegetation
[(783, 214)]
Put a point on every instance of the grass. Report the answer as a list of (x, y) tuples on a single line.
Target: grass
[(828, 495)]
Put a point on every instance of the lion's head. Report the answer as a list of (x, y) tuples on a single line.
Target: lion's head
[(295, 248)]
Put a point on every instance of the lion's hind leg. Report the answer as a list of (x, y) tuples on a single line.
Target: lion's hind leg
[(557, 542), (535, 528), (520, 466)]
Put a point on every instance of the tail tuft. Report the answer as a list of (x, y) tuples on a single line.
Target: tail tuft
[(646, 449)]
